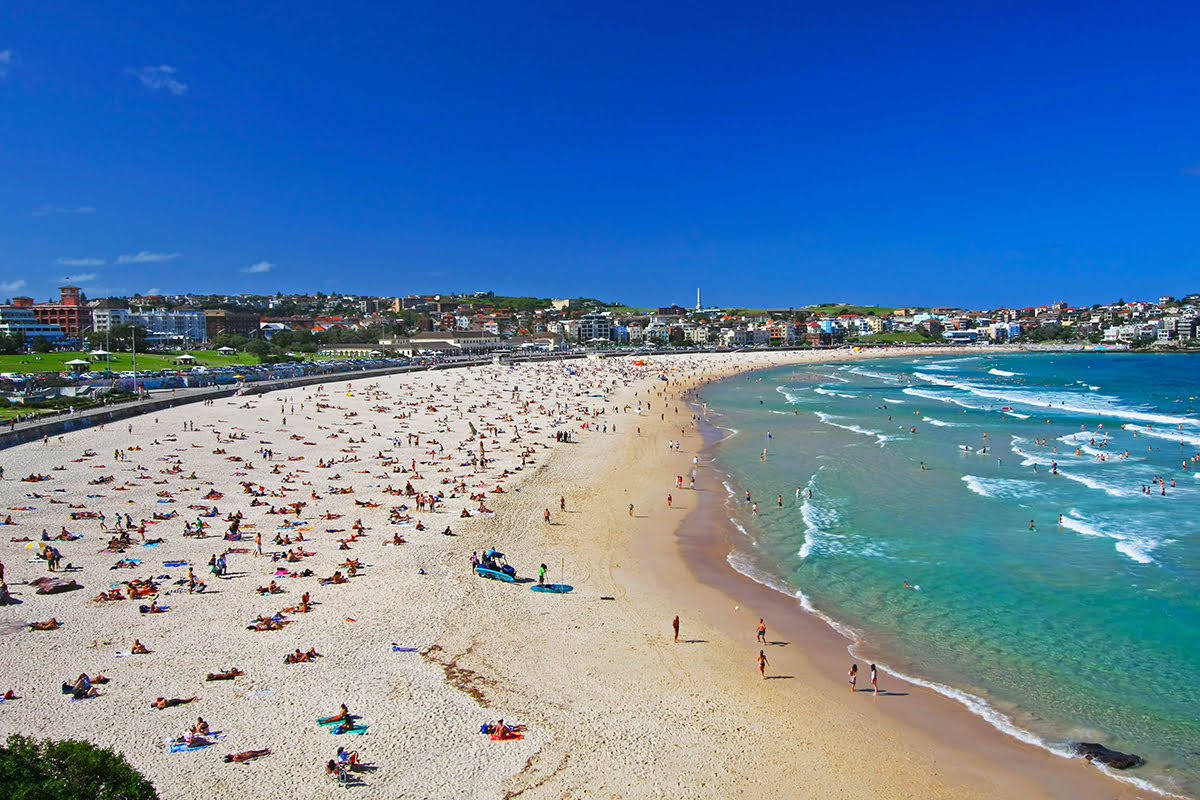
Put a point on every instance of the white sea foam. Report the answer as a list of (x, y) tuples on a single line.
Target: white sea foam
[(941, 424), (1137, 548), (817, 521), (924, 393), (831, 393), (1170, 434), (1093, 483), (1089, 405), (1002, 373), (883, 376), (1015, 414), (1001, 488), (828, 419), (893, 400), (791, 393)]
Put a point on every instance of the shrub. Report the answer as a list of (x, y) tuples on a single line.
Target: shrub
[(67, 770)]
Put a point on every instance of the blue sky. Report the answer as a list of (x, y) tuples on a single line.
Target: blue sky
[(775, 154)]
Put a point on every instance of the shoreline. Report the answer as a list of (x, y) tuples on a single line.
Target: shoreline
[(708, 541)]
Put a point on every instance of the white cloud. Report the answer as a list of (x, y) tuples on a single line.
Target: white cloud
[(145, 257), (6, 61), (160, 77), (67, 261), (153, 291), (81, 278), (257, 267), (46, 209), (12, 286)]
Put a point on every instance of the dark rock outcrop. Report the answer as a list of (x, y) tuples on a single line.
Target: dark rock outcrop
[(1110, 758)]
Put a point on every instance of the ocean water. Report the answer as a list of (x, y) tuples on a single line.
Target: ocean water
[(1086, 627)]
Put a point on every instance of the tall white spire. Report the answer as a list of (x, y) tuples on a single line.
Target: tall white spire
[(698, 306)]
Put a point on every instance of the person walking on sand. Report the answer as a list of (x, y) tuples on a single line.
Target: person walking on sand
[(631, 509), (874, 680), (762, 664), (257, 544), (762, 631), (853, 676), (675, 626), (546, 516), (669, 498)]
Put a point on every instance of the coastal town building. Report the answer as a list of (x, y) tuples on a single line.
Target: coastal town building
[(461, 342), (20, 320), (70, 312), (162, 327), (595, 326), (218, 321)]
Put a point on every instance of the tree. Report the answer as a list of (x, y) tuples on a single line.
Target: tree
[(122, 337), (41, 344), (259, 348), (11, 343), (67, 770)]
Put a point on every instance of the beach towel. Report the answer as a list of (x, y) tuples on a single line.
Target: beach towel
[(175, 563), (498, 738), (359, 729), (260, 693), (398, 649), (180, 747), (151, 544)]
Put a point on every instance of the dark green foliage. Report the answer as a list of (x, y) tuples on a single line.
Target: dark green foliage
[(67, 770)]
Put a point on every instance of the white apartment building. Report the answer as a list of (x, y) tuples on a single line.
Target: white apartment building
[(595, 326)]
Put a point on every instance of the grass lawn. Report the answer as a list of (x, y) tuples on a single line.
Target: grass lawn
[(55, 362), (866, 311), (892, 338)]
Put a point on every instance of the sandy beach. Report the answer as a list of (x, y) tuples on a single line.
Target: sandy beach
[(424, 652)]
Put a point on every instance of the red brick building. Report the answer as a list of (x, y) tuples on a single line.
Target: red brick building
[(69, 313)]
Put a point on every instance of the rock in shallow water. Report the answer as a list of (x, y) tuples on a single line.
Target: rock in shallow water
[(1111, 758)]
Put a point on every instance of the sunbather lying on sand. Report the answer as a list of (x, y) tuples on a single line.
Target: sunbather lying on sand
[(262, 623), (162, 702), (299, 657), (247, 755), (51, 624), (228, 675), (138, 648)]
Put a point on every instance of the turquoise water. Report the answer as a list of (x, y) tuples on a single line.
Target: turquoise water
[(1084, 629)]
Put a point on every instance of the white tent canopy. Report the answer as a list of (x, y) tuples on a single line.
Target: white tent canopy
[(226, 350), (99, 353), (77, 362)]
